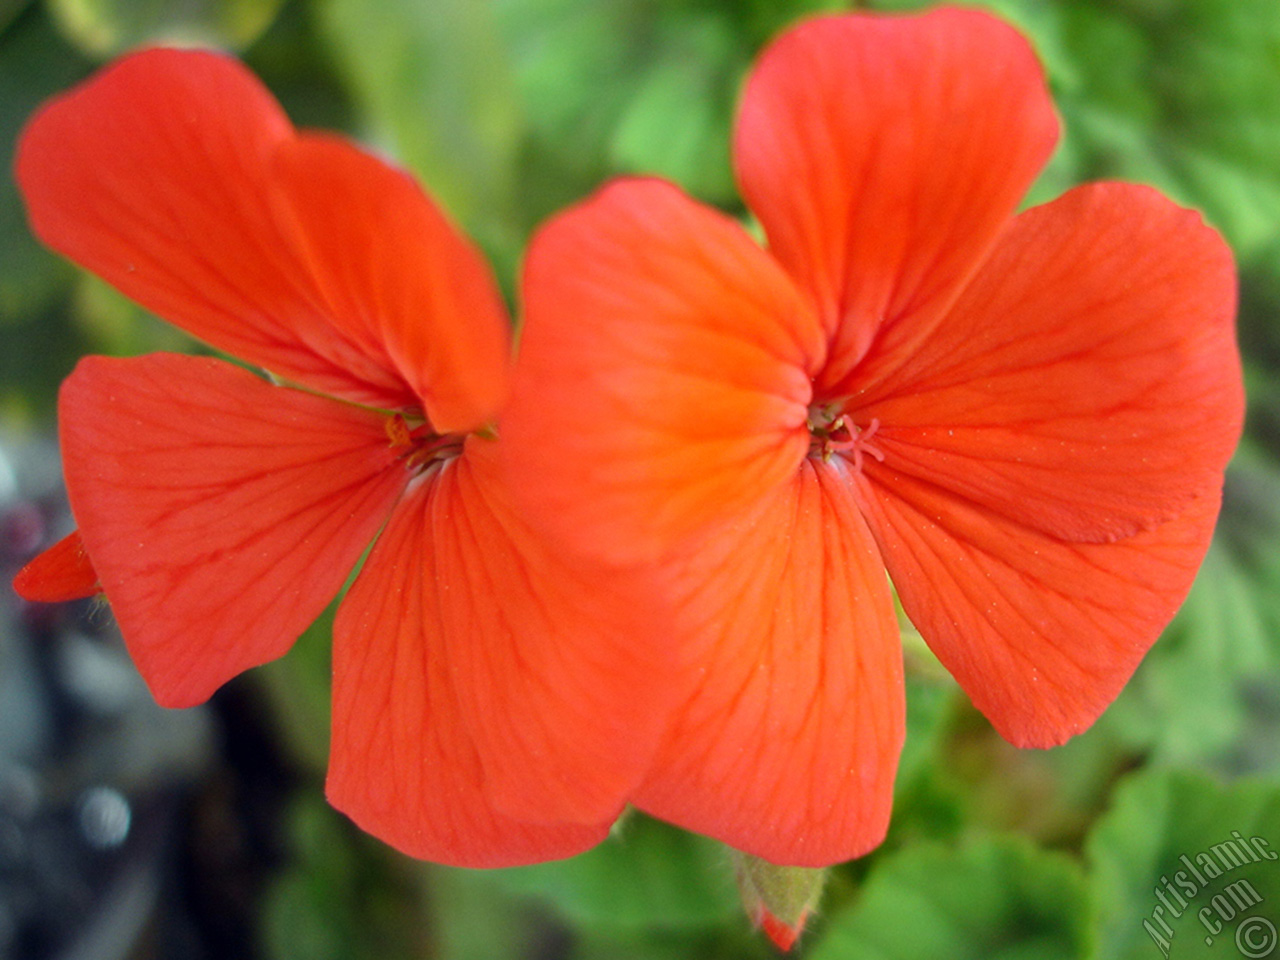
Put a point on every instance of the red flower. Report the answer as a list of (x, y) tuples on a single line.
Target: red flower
[(1024, 418), (489, 707)]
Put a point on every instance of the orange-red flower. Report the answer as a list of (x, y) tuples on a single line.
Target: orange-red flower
[(1024, 418), (490, 706)]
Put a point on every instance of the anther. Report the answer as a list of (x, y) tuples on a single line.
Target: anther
[(418, 446)]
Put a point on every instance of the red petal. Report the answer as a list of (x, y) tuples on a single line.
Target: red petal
[(480, 684), (222, 513), (662, 378), (783, 935), (1087, 384), (1041, 634), (61, 573), (400, 277), (788, 741), (883, 155), (155, 175)]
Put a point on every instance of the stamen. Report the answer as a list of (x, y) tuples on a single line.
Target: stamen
[(398, 431), (419, 447), (834, 431), (856, 442)]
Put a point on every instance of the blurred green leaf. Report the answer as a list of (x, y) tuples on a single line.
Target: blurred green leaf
[(993, 899), (293, 61), (36, 352), (765, 19), (115, 325), (647, 875), (634, 86), (737, 941), (9, 9), (575, 63), (300, 685), (931, 697), (1183, 702), (435, 84), (342, 896), (1135, 855), (1184, 96), (473, 919), (104, 28), (34, 65), (1041, 22), (677, 123)]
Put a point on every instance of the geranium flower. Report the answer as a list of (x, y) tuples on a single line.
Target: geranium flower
[(490, 704), (1024, 418)]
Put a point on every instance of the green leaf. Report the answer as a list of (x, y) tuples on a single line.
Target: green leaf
[(677, 123), (104, 28), (34, 64), (575, 64), (434, 81), (9, 9), (993, 899), (646, 875), (931, 698), (1144, 892), (737, 941), (1183, 702), (343, 895), (632, 86), (1184, 96), (300, 685), (474, 919)]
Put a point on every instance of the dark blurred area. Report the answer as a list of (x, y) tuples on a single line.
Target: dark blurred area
[(126, 830)]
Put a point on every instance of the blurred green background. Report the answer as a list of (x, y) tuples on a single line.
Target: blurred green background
[(509, 109)]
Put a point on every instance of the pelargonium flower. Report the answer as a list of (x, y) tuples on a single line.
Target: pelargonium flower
[(1023, 417), (490, 704)]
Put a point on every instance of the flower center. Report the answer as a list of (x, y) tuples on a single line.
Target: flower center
[(831, 430), (419, 447)]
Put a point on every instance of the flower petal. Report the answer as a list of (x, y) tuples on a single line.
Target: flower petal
[(1042, 634), (155, 175), (788, 741), (492, 705), (222, 513), (61, 573), (400, 278), (1087, 384), (662, 378), (883, 155)]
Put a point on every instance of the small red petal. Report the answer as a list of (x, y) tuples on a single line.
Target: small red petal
[(783, 935), (61, 573)]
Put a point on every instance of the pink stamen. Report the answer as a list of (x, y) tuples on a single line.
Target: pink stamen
[(845, 436)]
